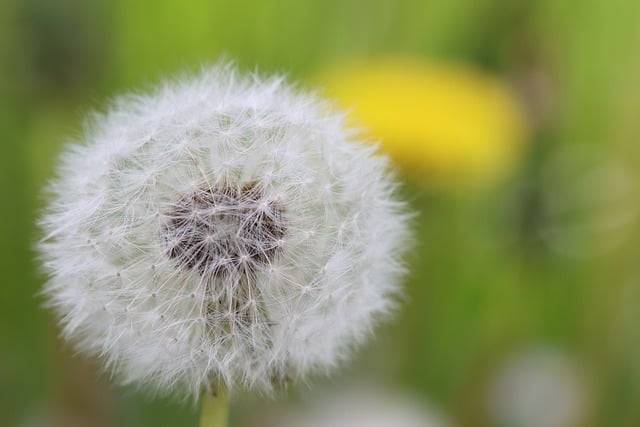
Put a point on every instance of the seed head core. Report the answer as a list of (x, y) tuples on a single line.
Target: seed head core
[(224, 230)]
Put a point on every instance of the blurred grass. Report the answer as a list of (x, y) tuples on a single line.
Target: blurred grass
[(482, 283)]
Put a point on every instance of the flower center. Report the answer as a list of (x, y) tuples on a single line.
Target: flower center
[(224, 230)]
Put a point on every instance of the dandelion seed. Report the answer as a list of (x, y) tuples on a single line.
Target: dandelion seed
[(239, 234)]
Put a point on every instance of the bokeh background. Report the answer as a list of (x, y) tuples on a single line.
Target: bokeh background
[(514, 126)]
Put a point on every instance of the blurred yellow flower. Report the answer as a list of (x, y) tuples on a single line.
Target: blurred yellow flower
[(446, 123)]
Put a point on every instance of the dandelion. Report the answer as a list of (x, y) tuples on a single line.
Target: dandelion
[(223, 230), (540, 388), (448, 125), (588, 202), (359, 406)]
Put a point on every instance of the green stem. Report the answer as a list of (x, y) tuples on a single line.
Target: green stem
[(214, 411)]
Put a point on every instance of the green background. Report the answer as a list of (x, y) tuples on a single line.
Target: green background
[(485, 279)]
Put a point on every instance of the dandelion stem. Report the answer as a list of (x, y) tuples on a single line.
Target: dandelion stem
[(214, 411)]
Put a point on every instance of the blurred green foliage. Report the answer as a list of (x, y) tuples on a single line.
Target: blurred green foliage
[(483, 281)]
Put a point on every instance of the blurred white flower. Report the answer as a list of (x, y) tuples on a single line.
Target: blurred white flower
[(224, 228), (589, 201), (539, 388), (362, 407)]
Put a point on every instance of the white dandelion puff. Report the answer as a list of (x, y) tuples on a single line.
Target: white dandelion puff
[(362, 405), (541, 387), (224, 228)]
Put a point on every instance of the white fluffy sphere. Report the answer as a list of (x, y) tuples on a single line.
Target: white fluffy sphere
[(541, 387), (364, 405), (224, 228)]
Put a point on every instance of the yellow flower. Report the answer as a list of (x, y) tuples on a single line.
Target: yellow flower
[(447, 124)]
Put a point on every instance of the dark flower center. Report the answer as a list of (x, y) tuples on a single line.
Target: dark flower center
[(224, 230)]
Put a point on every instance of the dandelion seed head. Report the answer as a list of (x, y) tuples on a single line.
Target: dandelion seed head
[(357, 405), (223, 228), (540, 387)]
